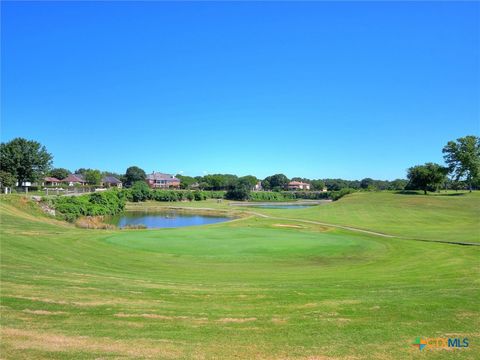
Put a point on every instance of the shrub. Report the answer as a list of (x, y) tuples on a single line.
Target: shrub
[(199, 195), (336, 195), (189, 196), (139, 192), (267, 196), (240, 193), (105, 203), (307, 195)]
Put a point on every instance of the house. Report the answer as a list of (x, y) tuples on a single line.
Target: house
[(194, 186), (74, 179), (258, 186), (298, 185), (26, 184), (111, 181), (50, 181), (158, 180)]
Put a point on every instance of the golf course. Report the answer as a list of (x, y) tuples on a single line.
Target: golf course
[(358, 278)]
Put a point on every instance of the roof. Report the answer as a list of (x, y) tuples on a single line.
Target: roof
[(74, 178), (50, 179), (161, 176), (293, 183), (111, 180)]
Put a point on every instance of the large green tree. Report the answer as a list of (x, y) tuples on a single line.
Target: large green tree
[(219, 181), (426, 177), (59, 173), (463, 159), (275, 182), (27, 160), (134, 174), (248, 181), (93, 177), (185, 181), (317, 185)]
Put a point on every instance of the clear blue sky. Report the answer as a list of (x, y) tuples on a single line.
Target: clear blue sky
[(316, 90)]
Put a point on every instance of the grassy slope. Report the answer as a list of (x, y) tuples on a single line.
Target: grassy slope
[(449, 217), (250, 289), (441, 217)]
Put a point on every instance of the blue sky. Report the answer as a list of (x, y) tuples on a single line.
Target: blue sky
[(313, 89)]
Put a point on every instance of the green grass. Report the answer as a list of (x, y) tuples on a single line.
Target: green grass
[(451, 216), (252, 288)]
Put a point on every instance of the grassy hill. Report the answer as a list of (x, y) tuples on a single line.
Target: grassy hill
[(253, 288), (451, 216)]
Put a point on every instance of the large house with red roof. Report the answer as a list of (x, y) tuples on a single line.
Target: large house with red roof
[(298, 185), (158, 180)]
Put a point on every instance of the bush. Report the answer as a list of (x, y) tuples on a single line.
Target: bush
[(267, 196), (240, 193), (139, 192), (307, 195), (199, 195), (105, 203), (189, 196), (336, 195)]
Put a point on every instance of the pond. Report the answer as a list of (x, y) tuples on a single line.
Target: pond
[(165, 219)]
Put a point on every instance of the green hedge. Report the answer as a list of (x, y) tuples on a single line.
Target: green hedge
[(297, 195), (70, 208), (269, 196), (307, 195), (336, 195), (141, 192)]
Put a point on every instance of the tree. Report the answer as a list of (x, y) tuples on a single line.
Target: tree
[(93, 177), (275, 182), (59, 173), (185, 181), (367, 183), (317, 185), (7, 180), (134, 174), (398, 184), (248, 181), (239, 192), (27, 160), (426, 177), (463, 158), (218, 181)]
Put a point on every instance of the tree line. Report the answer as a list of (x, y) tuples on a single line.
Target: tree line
[(24, 160)]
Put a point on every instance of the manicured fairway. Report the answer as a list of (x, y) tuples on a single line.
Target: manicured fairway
[(452, 216), (252, 288)]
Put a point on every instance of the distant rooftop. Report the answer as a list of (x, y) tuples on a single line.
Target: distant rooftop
[(74, 178), (161, 176), (111, 180)]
